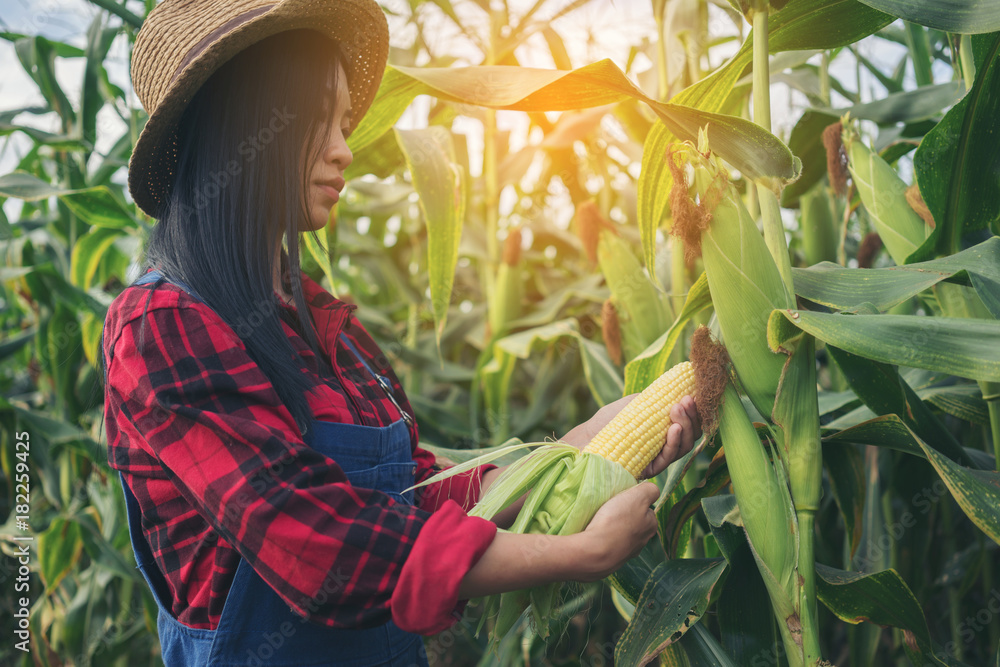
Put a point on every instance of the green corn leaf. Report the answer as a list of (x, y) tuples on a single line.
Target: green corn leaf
[(956, 164), (99, 40), (630, 578), (845, 289), (38, 57), (976, 491), (601, 375), (882, 598), (967, 17), (679, 513), (59, 550), (796, 414), (481, 457), (59, 142), (430, 156), (95, 206), (88, 253), (957, 346), (806, 141), (14, 343), (505, 306), (673, 599), (846, 469), (91, 329), (890, 432), (885, 392), (887, 431), (697, 648), (745, 617), (962, 400), (102, 552), (58, 434), (905, 107), (22, 185), (507, 453), (321, 246), (755, 152), (52, 285), (884, 197), (587, 288), (64, 350)]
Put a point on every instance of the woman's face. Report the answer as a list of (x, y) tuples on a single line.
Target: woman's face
[(327, 172)]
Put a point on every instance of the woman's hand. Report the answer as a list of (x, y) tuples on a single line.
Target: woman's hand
[(619, 531), (681, 436), (516, 561)]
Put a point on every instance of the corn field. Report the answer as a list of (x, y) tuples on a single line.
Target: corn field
[(533, 229)]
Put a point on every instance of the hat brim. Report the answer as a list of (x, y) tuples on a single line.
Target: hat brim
[(359, 27)]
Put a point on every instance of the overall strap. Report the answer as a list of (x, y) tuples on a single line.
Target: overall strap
[(382, 380), (143, 554), (155, 275)]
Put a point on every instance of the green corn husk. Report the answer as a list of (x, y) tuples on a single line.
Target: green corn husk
[(819, 231), (567, 487), (883, 193), (742, 277), (646, 308), (505, 306)]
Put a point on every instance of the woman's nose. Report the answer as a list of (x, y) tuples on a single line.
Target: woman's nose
[(337, 151)]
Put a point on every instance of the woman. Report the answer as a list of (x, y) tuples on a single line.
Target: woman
[(265, 455)]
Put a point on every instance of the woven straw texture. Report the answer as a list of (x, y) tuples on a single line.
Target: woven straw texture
[(182, 42)]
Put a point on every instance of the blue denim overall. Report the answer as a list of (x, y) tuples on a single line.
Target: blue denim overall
[(256, 626)]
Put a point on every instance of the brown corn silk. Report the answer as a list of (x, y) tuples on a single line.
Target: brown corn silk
[(836, 158), (611, 331)]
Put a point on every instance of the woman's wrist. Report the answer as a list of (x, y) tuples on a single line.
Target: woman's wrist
[(516, 561)]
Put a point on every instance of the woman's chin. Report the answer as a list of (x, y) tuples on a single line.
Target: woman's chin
[(319, 219)]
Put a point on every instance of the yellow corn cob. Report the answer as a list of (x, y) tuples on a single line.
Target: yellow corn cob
[(635, 435)]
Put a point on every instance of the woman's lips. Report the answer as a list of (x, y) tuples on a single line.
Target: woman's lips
[(330, 191)]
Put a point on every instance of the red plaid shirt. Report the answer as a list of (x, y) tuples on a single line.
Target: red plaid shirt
[(220, 471)]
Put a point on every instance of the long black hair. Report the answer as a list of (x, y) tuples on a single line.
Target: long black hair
[(246, 144)]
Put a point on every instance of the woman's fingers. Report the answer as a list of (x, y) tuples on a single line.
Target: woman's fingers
[(681, 436)]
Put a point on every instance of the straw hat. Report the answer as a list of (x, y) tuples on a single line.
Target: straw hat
[(182, 42)]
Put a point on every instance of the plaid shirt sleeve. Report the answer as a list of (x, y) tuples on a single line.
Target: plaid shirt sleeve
[(218, 464)]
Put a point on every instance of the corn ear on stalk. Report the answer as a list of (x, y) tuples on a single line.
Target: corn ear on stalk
[(883, 193), (505, 306), (644, 308), (742, 276)]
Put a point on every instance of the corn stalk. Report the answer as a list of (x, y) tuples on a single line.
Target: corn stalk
[(796, 411)]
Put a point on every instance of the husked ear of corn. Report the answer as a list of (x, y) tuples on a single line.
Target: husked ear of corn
[(635, 435), (566, 486)]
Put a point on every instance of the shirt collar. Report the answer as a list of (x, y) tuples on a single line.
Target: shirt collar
[(329, 313)]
